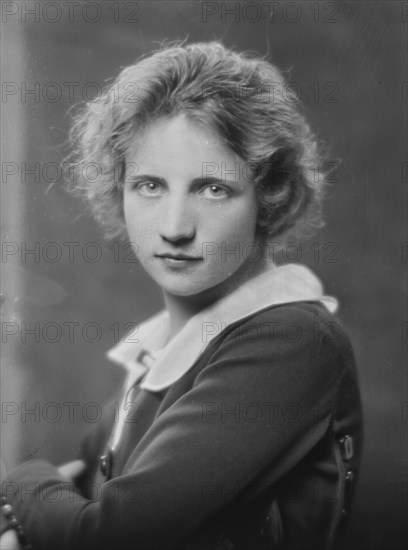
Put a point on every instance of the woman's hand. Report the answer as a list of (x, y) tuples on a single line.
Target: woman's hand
[(9, 541), (71, 470)]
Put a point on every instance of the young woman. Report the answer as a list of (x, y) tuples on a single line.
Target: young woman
[(240, 425)]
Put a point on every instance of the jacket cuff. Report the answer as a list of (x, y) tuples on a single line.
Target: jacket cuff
[(10, 521), (12, 490)]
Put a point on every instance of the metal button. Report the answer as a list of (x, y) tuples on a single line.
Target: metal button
[(347, 447), (349, 476), (348, 482), (105, 463), (7, 511)]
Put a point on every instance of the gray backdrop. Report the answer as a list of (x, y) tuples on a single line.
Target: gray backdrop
[(76, 293)]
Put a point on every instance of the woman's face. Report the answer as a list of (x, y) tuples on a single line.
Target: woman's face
[(185, 197)]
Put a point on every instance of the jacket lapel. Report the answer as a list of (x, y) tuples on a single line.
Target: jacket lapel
[(140, 352)]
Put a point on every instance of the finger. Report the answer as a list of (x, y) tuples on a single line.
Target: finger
[(71, 470), (9, 541)]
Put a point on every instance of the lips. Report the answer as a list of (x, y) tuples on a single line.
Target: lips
[(178, 257)]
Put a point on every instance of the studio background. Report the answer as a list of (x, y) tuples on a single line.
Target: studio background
[(77, 294)]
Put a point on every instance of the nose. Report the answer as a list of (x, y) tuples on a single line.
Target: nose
[(176, 221)]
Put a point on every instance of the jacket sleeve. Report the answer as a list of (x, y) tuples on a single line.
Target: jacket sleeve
[(252, 407), (92, 446)]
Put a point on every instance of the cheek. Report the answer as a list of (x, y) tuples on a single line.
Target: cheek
[(137, 219), (136, 232), (127, 213), (236, 226)]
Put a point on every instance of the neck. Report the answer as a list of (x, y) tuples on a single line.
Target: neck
[(182, 308)]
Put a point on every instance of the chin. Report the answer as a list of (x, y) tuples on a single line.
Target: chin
[(207, 291), (185, 285), (182, 289)]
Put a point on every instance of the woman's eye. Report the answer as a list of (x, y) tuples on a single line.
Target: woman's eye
[(148, 188), (215, 192)]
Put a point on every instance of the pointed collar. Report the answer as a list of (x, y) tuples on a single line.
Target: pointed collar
[(145, 353)]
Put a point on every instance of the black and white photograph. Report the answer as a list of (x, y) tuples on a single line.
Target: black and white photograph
[(204, 251)]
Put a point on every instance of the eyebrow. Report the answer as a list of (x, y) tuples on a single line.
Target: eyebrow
[(195, 182)]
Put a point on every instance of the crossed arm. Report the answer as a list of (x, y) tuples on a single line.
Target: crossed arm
[(70, 471), (194, 447)]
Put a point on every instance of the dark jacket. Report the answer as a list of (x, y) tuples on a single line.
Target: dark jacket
[(255, 446)]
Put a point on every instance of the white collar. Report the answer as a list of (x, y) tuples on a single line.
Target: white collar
[(277, 285)]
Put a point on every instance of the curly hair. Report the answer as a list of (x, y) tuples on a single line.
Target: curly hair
[(240, 95)]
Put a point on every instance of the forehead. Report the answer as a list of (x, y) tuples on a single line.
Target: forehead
[(179, 145)]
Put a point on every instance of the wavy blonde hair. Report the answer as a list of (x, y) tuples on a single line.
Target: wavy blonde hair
[(240, 95)]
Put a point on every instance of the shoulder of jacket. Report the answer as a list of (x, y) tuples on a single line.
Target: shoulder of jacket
[(298, 327), (305, 315)]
